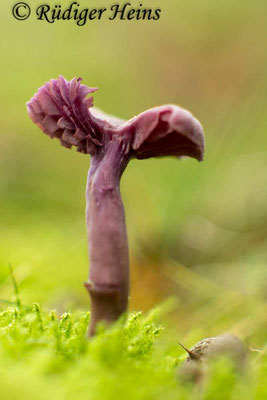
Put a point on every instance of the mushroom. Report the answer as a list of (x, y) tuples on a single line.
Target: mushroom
[(61, 110)]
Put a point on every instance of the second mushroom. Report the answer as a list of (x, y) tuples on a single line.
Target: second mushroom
[(62, 110)]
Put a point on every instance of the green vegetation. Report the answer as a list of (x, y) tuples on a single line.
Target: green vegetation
[(46, 356)]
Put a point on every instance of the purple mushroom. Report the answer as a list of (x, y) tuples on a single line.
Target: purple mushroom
[(61, 110)]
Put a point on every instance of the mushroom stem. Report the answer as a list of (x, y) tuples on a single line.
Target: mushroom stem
[(107, 235)]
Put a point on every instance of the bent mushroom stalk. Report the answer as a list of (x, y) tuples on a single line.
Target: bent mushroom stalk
[(62, 110)]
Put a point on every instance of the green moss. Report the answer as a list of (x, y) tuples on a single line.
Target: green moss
[(46, 356)]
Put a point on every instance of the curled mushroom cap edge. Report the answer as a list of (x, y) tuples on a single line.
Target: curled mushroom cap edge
[(61, 109)]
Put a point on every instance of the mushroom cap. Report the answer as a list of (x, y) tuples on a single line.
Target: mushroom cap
[(61, 109), (167, 130)]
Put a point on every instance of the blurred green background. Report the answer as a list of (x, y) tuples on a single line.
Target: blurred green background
[(196, 231)]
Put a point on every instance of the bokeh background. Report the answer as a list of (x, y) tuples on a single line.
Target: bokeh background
[(197, 232)]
